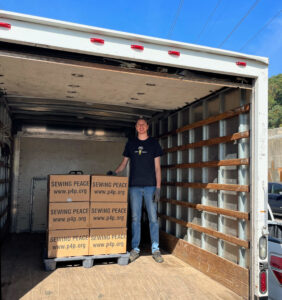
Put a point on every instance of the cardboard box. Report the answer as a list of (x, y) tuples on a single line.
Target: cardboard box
[(107, 241), (108, 188), (69, 188), (108, 215), (72, 215), (63, 243)]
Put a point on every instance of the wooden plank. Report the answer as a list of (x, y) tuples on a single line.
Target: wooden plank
[(211, 186), (213, 209), (226, 115), (217, 163), (221, 270), (210, 142), (211, 232), (219, 235)]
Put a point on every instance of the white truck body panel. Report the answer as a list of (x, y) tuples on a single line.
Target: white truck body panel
[(75, 38), (51, 34)]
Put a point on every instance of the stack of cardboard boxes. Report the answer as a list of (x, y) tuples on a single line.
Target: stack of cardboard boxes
[(68, 219), (108, 214), (84, 220)]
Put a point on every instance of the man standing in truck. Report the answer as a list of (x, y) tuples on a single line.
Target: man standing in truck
[(144, 153)]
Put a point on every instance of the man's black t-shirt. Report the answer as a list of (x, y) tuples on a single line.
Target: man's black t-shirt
[(142, 163)]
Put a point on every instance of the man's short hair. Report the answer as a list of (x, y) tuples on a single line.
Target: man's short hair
[(143, 119)]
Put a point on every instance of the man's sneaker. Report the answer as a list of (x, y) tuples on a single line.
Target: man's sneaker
[(133, 255), (158, 257)]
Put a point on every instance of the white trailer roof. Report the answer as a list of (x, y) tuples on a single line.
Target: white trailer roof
[(124, 35)]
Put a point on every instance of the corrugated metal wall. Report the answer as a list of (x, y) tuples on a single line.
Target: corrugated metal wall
[(39, 157), (205, 171)]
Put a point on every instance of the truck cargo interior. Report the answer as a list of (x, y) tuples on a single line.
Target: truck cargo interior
[(65, 110)]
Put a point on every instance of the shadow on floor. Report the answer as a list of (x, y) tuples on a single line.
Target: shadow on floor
[(21, 264)]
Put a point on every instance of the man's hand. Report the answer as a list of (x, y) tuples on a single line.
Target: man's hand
[(111, 173), (157, 195)]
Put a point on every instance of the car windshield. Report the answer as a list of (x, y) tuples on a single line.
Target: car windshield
[(277, 188)]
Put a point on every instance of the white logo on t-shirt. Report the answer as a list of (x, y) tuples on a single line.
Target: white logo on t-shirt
[(140, 150)]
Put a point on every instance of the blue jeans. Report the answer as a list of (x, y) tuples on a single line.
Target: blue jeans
[(136, 197)]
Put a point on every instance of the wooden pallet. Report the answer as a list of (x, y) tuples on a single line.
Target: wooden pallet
[(87, 261)]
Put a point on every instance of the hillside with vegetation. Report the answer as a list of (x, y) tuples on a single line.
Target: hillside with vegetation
[(275, 101)]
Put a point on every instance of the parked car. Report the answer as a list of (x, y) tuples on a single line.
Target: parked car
[(274, 258), (275, 197)]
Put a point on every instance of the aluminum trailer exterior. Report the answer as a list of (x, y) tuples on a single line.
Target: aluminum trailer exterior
[(205, 72)]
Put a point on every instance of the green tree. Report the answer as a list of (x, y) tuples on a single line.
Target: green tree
[(275, 101)]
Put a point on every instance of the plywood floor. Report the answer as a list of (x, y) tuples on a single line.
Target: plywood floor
[(23, 277)]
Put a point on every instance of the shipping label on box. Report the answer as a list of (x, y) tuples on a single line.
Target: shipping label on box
[(72, 215), (63, 243), (109, 188), (108, 215), (107, 241), (69, 188)]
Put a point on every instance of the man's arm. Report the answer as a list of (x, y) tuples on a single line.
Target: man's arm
[(123, 165), (158, 171)]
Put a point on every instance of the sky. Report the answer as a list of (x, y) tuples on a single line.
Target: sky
[(248, 26)]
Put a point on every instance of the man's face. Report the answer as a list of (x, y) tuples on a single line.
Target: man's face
[(141, 127)]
